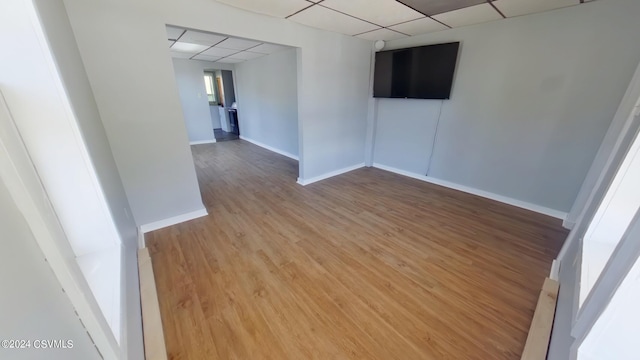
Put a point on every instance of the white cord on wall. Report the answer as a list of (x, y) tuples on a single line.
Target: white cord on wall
[(435, 138)]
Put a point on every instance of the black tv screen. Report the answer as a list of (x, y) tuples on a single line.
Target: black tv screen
[(424, 72)]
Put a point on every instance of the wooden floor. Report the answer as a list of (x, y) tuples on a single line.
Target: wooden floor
[(366, 265)]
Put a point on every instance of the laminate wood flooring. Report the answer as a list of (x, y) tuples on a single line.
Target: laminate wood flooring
[(365, 265)]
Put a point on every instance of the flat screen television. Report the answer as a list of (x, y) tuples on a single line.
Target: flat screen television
[(424, 72)]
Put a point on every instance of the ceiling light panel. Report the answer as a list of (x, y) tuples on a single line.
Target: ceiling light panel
[(230, 60), (277, 8), (522, 7), (268, 48), (380, 12), (327, 19), (180, 55), (247, 55), (216, 51), (420, 26), (173, 32), (434, 7), (206, 57), (237, 44), (381, 34), (188, 47), (469, 16), (201, 38)]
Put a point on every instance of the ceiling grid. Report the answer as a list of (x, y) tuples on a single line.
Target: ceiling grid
[(394, 19)]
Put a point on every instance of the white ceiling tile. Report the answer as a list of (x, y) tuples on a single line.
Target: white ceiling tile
[(381, 34), (469, 16), (202, 38), (247, 55), (216, 51), (180, 55), (277, 8), (521, 7), (268, 48), (237, 44), (381, 12), (174, 32), (171, 42), (230, 60), (420, 26), (206, 57), (327, 19), (188, 47)]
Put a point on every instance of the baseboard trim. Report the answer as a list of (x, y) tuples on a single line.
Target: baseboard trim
[(173, 220), (482, 193), (305, 182), (141, 242), (200, 142), (270, 148), (153, 334), (567, 224)]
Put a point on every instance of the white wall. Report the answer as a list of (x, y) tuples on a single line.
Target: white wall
[(142, 114), (611, 220), (532, 99), (268, 100), (33, 305), (615, 333), (70, 149), (193, 98)]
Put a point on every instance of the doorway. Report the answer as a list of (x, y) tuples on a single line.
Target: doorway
[(222, 104)]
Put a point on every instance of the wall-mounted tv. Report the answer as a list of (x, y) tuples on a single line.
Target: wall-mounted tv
[(424, 72)]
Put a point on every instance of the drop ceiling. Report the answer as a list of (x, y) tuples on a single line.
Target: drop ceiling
[(395, 19), (200, 45)]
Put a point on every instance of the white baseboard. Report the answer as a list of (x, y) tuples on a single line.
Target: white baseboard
[(270, 148), (554, 274), (202, 142), (304, 182), (173, 220), (485, 194), (141, 243), (567, 224)]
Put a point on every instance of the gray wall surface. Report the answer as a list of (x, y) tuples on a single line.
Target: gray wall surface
[(215, 116), (401, 135), (532, 99), (142, 113), (139, 105), (33, 305), (268, 100), (193, 97)]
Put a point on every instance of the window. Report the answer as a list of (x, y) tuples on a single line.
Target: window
[(209, 85)]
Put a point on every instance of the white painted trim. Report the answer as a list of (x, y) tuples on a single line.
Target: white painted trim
[(305, 182), (200, 142), (173, 220), (567, 224), (554, 274), (270, 148), (482, 193), (21, 178), (141, 243)]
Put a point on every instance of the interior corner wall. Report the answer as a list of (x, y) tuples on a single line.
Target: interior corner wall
[(531, 101), (132, 78), (193, 98), (267, 100)]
